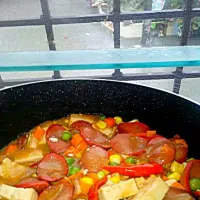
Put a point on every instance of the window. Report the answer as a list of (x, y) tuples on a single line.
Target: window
[(124, 23)]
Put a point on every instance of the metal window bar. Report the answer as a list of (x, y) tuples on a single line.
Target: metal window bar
[(46, 16), (116, 17), (116, 24), (184, 39)]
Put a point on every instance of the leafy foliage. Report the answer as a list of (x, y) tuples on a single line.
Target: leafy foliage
[(139, 5), (173, 4), (132, 5)]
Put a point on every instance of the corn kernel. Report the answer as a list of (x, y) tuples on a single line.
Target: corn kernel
[(101, 124), (115, 158), (87, 180), (175, 176), (118, 120), (66, 121), (115, 178), (176, 167), (34, 176)]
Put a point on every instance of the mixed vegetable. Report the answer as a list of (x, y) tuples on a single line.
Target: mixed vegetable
[(92, 157)]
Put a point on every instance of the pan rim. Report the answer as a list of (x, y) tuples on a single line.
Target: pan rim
[(103, 80)]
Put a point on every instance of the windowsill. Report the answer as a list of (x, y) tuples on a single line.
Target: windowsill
[(187, 56)]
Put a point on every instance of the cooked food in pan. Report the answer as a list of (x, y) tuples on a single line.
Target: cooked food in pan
[(94, 157)]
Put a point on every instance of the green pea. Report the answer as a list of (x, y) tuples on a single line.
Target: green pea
[(73, 170), (130, 160), (102, 117), (195, 184), (70, 161), (66, 136), (101, 174), (70, 170), (114, 164)]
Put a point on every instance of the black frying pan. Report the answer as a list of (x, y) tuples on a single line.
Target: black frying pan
[(25, 106)]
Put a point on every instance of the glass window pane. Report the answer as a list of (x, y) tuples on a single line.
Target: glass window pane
[(29, 38), (141, 5), (132, 5), (77, 7), (189, 88), (194, 37), (19, 9), (196, 4), (151, 33), (83, 36)]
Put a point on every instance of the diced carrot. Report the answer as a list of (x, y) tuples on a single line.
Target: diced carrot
[(110, 121), (123, 161), (78, 154), (164, 178), (39, 133), (70, 151), (151, 133), (82, 146), (93, 176), (11, 148), (177, 185), (63, 180), (84, 187), (75, 176), (76, 140)]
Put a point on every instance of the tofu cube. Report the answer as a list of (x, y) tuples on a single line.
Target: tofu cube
[(140, 182), (77, 117), (12, 193), (170, 182), (29, 156), (154, 189), (12, 172), (118, 191)]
